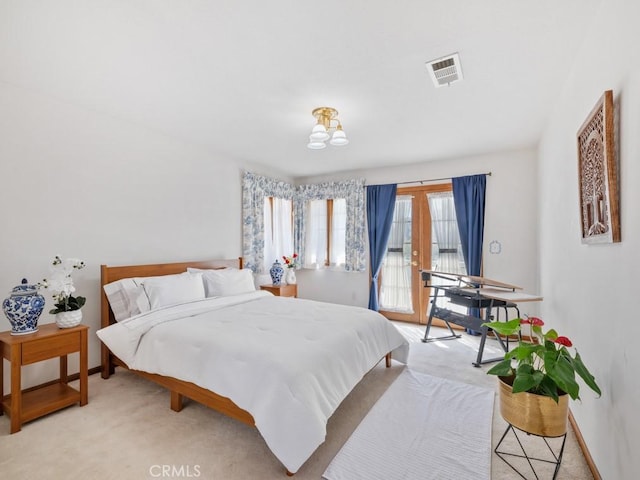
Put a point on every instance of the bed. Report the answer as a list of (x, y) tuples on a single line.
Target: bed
[(280, 364)]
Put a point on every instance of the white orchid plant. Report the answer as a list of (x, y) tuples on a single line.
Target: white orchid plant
[(61, 284)]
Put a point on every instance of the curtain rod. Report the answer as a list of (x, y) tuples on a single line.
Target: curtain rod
[(433, 179)]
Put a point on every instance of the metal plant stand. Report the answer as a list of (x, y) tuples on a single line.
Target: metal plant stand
[(556, 457)]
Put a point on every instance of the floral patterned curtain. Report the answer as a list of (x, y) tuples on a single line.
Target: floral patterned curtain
[(255, 188)]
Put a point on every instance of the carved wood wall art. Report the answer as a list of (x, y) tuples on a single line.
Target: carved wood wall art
[(598, 175)]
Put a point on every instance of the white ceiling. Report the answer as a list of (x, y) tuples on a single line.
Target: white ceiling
[(240, 78)]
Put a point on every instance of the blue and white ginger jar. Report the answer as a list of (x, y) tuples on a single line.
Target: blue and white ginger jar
[(23, 308), (276, 271)]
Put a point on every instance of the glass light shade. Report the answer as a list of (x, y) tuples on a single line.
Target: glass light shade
[(319, 133), (339, 138), (315, 145)]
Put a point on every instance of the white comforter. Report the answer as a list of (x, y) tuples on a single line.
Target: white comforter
[(289, 362)]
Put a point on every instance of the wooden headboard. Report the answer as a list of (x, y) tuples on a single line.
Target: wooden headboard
[(111, 274)]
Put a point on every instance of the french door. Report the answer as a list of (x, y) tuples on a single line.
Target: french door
[(424, 236)]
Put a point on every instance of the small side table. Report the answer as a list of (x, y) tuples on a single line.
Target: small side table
[(49, 341), (281, 290)]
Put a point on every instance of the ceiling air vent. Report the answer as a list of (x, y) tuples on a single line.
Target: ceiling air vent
[(445, 71)]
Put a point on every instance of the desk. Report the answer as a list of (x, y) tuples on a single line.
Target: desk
[(506, 296), (473, 292), (48, 342)]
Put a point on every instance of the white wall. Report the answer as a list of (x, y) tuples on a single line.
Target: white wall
[(80, 184), (511, 210), (589, 290)]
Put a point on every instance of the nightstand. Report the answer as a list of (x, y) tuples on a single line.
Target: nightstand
[(281, 290), (49, 341)]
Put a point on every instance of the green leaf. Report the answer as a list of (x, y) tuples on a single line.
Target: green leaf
[(563, 375), (551, 335), (502, 369), (548, 388), (524, 369), (581, 370), (538, 376), (524, 382), (71, 304), (526, 351), (504, 328), (550, 358), (527, 379)]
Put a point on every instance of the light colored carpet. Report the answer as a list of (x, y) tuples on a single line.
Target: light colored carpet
[(417, 430), (127, 430)]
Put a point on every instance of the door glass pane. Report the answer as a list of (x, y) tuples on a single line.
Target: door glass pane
[(446, 249), (395, 288)]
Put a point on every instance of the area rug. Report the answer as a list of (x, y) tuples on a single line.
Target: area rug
[(422, 427)]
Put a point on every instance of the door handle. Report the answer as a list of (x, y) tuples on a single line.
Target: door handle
[(414, 263)]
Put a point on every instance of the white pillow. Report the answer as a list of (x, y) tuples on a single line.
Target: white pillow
[(142, 301), (226, 281), (173, 289), (125, 297)]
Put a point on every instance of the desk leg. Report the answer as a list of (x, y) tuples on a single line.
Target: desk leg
[(483, 336), (16, 388), (84, 371), (434, 309), (426, 332), (483, 339)]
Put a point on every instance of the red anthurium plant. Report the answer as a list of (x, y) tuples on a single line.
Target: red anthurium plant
[(290, 262), (544, 365)]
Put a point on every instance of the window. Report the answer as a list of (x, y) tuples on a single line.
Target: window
[(325, 238), (339, 223), (278, 230), (330, 220)]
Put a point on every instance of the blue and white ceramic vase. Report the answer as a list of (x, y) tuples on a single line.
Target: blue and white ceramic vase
[(23, 308), (276, 271)]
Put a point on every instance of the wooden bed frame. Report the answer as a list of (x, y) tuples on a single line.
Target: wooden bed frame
[(178, 388)]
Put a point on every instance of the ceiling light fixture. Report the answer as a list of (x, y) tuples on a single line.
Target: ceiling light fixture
[(320, 132)]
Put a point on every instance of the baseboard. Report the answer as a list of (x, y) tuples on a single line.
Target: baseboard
[(583, 446)]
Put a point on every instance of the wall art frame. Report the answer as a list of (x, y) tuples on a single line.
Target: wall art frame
[(598, 175)]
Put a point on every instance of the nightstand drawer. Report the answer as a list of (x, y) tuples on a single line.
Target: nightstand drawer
[(52, 347)]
